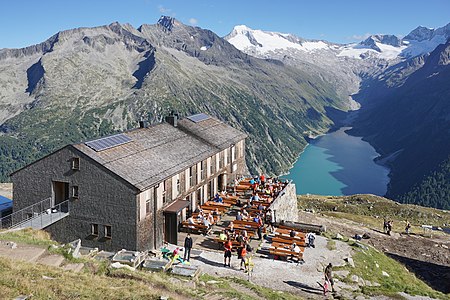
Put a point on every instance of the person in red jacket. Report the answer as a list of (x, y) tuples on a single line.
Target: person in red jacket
[(242, 254), (227, 253)]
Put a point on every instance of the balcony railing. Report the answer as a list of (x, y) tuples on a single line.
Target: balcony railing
[(37, 216)]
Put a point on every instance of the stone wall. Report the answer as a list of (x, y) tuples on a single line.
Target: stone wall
[(285, 205), (104, 199)]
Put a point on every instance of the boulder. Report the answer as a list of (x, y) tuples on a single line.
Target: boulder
[(385, 274), (350, 261), (339, 236)]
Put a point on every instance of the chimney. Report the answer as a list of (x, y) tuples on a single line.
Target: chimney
[(143, 124), (172, 119)]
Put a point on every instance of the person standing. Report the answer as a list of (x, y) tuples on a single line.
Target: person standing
[(242, 254), (311, 238), (329, 275), (187, 247), (227, 253), (408, 227)]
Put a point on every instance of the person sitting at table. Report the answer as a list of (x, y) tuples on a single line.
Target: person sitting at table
[(294, 248), (207, 223), (244, 235), (216, 213), (210, 218), (260, 207), (292, 233), (223, 236), (239, 216), (191, 220), (244, 213), (217, 198), (231, 227)]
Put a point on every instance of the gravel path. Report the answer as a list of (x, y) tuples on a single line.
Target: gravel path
[(280, 275)]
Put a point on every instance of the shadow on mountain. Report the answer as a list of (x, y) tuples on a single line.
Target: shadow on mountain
[(436, 276), (34, 74), (144, 67), (337, 116)]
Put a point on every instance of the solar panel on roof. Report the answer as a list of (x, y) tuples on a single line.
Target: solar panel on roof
[(198, 117), (108, 142)]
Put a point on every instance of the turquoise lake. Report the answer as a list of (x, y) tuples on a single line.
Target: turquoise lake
[(339, 164)]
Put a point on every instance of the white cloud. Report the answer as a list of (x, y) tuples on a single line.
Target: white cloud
[(357, 37), (193, 21), (166, 11)]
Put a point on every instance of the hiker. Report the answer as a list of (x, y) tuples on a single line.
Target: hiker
[(311, 238), (389, 227), (258, 220), (385, 226), (227, 253), (187, 247), (329, 276), (408, 227), (242, 253)]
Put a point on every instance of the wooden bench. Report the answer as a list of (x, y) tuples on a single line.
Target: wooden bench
[(197, 227), (250, 224), (287, 232), (302, 246), (280, 252), (288, 240)]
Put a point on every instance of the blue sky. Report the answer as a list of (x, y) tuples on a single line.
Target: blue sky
[(27, 22)]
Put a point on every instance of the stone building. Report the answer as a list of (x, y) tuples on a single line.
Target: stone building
[(131, 190)]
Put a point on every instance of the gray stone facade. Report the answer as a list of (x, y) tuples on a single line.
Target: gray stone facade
[(285, 205), (134, 213), (103, 199)]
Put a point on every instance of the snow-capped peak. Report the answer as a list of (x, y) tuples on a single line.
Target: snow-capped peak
[(261, 42)]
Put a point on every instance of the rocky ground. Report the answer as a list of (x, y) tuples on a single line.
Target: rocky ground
[(428, 256), (302, 279)]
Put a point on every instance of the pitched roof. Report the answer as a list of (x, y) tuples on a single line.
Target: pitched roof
[(162, 150)]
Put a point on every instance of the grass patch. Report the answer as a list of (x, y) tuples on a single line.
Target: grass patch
[(369, 265), (28, 236), (331, 245), (370, 211)]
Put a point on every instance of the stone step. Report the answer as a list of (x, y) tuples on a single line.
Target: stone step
[(25, 253), (52, 260), (77, 267)]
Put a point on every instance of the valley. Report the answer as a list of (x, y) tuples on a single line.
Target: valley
[(89, 82)]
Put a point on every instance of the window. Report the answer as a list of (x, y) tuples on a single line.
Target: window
[(233, 153), (178, 185), (75, 191), (147, 206), (211, 166), (108, 231), (164, 192), (202, 171), (220, 160), (75, 163), (94, 229), (191, 178)]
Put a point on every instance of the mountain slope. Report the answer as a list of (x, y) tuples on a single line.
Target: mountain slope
[(89, 82), (412, 124)]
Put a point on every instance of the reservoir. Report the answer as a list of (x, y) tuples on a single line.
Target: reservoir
[(339, 164)]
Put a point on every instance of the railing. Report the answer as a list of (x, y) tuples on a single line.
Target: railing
[(38, 215)]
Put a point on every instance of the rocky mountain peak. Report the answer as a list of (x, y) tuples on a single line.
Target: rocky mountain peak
[(387, 39), (421, 33), (167, 22)]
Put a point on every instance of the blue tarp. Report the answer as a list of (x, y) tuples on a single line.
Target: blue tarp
[(5, 203)]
